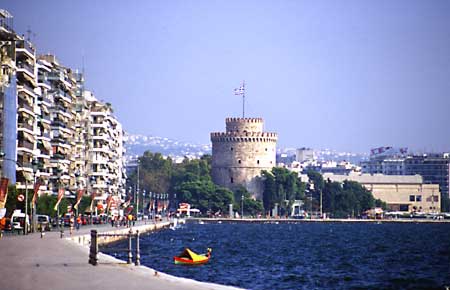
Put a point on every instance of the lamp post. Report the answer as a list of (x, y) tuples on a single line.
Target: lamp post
[(137, 189), (242, 206), (77, 175), (35, 165), (143, 201), (321, 211)]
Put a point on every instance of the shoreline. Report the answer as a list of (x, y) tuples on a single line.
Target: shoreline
[(150, 227), (33, 263), (291, 220)]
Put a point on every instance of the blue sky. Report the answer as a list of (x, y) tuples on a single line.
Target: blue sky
[(346, 75)]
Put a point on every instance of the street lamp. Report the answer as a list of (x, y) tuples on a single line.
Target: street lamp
[(137, 189), (144, 193), (242, 206), (35, 166)]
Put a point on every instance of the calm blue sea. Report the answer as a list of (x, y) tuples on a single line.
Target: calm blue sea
[(306, 255)]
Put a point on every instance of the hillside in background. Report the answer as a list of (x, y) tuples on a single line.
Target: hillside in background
[(138, 144)]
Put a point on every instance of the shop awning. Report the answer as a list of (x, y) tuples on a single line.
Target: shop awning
[(46, 144), (27, 175), (28, 137)]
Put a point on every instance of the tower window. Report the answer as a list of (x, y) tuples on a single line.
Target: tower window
[(239, 161), (231, 148), (231, 180), (257, 161)]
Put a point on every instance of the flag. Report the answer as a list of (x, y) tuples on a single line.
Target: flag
[(3, 191), (93, 194), (37, 185), (241, 90), (127, 202), (60, 196), (79, 196), (108, 202)]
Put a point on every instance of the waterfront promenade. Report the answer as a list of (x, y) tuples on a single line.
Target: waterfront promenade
[(29, 262)]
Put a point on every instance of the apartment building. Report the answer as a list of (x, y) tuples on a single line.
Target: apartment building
[(51, 127), (62, 115), (107, 173), (8, 100)]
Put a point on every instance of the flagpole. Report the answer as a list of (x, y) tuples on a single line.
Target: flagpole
[(243, 99)]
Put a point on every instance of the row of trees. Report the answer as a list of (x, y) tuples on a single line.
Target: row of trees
[(45, 203), (190, 181), (283, 187)]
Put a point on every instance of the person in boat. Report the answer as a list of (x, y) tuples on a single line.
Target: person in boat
[(208, 252)]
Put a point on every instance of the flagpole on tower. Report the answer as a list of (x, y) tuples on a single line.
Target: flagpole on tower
[(243, 99), (241, 91)]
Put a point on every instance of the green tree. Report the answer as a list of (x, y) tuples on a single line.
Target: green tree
[(281, 186), (11, 201)]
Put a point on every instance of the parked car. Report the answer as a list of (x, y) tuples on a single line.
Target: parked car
[(20, 221), (43, 222)]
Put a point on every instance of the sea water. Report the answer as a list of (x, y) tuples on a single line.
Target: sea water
[(306, 255)]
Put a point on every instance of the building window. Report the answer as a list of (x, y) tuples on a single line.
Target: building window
[(231, 180), (411, 198), (266, 149), (403, 207), (257, 161), (239, 161), (418, 198), (436, 198)]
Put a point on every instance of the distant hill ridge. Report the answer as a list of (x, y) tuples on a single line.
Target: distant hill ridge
[(137, 144)]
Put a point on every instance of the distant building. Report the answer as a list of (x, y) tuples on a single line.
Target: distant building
[(434, 168), (401, 193), (241, 153), (304, 154)]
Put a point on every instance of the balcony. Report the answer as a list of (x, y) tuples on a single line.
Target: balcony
[(63, 95), (59, 156), (55, 76), (25, 66), (26, 88), (58, 123), (45, 117), (23, 124), (27, 106), (25, 45), (25, 144), (44, 81)]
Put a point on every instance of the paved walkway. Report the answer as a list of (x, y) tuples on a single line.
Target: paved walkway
[(29, 262)]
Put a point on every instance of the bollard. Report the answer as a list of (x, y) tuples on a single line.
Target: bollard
[(42, 232), (130, 255), (93, 249), (138, 254)]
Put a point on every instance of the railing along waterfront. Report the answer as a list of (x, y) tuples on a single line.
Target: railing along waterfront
[(93, 250)]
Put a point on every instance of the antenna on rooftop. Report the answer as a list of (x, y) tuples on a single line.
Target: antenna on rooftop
[(30, 33)]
